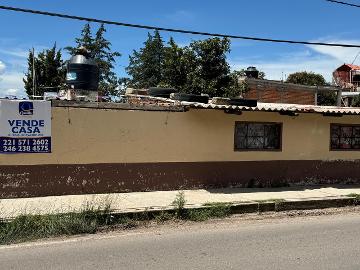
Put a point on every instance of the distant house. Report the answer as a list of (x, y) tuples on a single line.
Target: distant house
[(347, 76), (269, 91)]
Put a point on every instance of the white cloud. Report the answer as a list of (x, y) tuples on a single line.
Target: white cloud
[(182, 16), (2, 67), (319, 59), (15, 52), (280, 69), (11, 82), (343, 54)]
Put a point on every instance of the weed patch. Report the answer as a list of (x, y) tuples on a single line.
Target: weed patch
[(212, 210), (356, 197), (31, 227), (179, 204)]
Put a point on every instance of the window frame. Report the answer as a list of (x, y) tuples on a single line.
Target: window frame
[(280, 124), (341, 125)]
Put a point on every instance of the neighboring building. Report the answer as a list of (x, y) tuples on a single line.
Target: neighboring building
[(347, 76), (109, 147), (270, 91)]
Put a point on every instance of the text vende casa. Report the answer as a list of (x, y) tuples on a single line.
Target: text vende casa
[(26, 126)]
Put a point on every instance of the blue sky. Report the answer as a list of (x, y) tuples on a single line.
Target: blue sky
[(311, 20)]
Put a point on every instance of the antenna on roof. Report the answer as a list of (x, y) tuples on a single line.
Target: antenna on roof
[(355, 58), (33, 72)]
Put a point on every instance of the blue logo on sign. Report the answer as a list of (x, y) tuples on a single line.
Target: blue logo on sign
[(26, 108)]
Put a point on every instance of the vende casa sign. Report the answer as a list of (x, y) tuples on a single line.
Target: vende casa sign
[(25, 126)]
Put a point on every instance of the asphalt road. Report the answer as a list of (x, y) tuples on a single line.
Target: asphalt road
[(325, 242)]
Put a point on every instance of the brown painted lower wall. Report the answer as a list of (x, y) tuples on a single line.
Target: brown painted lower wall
[(48, 180)]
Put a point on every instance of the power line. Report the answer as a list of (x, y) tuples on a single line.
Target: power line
[(343, 3), (172, 29)]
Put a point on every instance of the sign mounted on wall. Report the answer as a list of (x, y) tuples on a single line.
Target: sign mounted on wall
[(25, 126)]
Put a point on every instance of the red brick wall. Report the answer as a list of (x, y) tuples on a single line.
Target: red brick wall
[(272, 95)]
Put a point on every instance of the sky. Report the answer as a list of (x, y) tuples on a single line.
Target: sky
[(307, 20)]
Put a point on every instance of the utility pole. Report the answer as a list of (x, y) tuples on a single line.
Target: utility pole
[(33, 73)]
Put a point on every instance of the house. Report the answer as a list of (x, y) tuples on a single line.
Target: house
[(270, 91), (347, 76), (122, 147)]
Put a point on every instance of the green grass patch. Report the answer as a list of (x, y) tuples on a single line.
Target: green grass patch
[(356, 197), (353, 195), (270, 201), (179, 204), (31, 227), (211, 210)]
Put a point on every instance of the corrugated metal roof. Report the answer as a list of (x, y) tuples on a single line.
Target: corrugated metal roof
[(278, 107), (265, 107)]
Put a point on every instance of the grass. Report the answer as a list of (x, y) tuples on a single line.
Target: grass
[(179, 204), (270, 201), (353, 195), (91, 220), (31, 227), (211, 210), (356, 197)]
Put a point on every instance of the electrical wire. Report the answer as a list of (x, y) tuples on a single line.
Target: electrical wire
[(343, 3), (182, 31)]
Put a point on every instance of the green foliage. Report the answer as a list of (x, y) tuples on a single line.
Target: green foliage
[(175, 67), (30, 227), (179, 204), (355, 196), (49, 72), (163, 216), (212, 210), (199, 68), (306, 78), (146, 65), (210, 74), (326, 98), (355, 101), (99, 48)]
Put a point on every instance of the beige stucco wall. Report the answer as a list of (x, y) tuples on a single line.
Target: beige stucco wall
[(82, 136)]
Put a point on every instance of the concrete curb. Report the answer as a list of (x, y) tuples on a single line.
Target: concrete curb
[(276, 205), (293, 205), (266, 206)]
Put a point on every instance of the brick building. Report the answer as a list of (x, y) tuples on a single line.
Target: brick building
[(269, 91)]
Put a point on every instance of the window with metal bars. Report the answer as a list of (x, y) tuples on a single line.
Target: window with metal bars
[(257, 136), (344, 137)]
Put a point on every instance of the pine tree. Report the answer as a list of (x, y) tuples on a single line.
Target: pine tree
[(86, 40), (175, 68), (211, 72), (146, 65), (49, 72), (99, 49)]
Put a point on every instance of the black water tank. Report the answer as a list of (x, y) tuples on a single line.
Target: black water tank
[(82, 73), (252, 72)]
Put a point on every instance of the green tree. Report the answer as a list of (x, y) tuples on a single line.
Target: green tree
[(198, 68), (174, 68), (49, 72), (306, 78), (146, 65), (211, 72), (314, 79), (99, 49)]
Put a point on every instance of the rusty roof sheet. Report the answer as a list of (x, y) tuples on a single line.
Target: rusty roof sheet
[(351, 66), (278, 107)]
